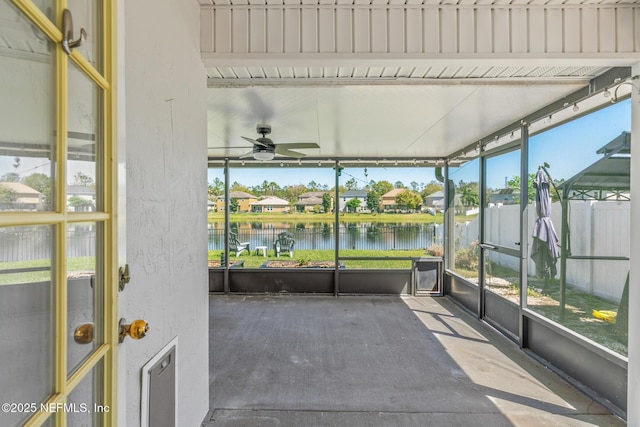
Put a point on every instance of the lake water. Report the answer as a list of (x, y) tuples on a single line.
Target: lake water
[(36, 242), (320, 236)]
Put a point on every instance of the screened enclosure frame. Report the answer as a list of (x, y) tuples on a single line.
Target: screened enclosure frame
[(603, 372), (602, 375), (607, 179), (403, 280)]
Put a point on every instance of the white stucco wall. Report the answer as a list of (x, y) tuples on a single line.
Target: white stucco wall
[(166, 186)]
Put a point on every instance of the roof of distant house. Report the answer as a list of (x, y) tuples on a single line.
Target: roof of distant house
[(504, 191), (312, 194), (440, 203), (309, 201), (393, 193), (354, 193), (20, 188), (436, 194), (271, 201), (241, 195)]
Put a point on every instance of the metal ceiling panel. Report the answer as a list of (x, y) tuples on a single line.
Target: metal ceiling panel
[(366, 80), (330, 72), (416, 2), (360, 72), (389, 72), (345, 72), (384, 121), (228, 75), (271, 72), (243, 73)]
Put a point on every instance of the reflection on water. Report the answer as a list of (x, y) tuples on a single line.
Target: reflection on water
[(320, 235), (255, 225)]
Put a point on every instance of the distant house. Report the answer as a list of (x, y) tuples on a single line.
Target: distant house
[(505, 196), (81, 198), (439, 204), (434, 200), (354, 194), (388, 200), (17, 196), (270, 204), (311, 201), (244, 201)]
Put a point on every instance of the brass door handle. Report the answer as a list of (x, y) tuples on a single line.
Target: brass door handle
[(84, 333), (137, 329)]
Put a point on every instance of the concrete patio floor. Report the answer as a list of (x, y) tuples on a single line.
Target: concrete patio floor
[(377, 361)]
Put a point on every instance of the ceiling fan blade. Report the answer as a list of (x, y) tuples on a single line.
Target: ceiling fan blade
[(246, 155), (300, 145), (289, 153), (254, 142)]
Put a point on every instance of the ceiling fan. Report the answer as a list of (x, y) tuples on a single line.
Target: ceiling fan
[(265, 149)]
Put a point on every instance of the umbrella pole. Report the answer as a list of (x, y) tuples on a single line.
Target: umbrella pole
[(544, 168), (563, 257), (563, 243)]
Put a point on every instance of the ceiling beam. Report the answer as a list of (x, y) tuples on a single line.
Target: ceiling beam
[(213, 82)]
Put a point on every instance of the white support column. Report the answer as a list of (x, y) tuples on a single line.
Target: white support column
[(633, 397)]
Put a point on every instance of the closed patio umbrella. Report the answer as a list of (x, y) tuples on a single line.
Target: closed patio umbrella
[(544, 250)]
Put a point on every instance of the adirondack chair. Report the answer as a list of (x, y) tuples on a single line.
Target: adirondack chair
[(236, 246), (284, 243)]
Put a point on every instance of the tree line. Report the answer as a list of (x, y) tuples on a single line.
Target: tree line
[(411, 199)]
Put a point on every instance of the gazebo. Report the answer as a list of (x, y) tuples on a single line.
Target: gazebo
[(607, 179)]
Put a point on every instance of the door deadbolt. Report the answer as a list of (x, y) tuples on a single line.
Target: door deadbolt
[(137, 329)]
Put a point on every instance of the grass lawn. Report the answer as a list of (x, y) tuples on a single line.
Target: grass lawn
[(255, 261), (578, 314), (545, 300), (73, 264)]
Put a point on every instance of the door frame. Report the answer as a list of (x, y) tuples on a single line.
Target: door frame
[(107, 177)]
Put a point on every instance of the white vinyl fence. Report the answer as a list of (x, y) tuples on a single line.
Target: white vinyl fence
[(597, 229)]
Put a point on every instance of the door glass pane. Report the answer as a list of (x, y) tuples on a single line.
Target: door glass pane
[(465, 202), (47, 7), (26, 114), (26, 318), (84, 291), (86, 14), (502, 210), (502, 275), (86, 401), (85, 142)]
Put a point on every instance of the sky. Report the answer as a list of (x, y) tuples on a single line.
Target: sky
[(568, 149)]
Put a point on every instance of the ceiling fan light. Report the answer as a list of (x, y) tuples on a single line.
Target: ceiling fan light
[(263, 155)]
